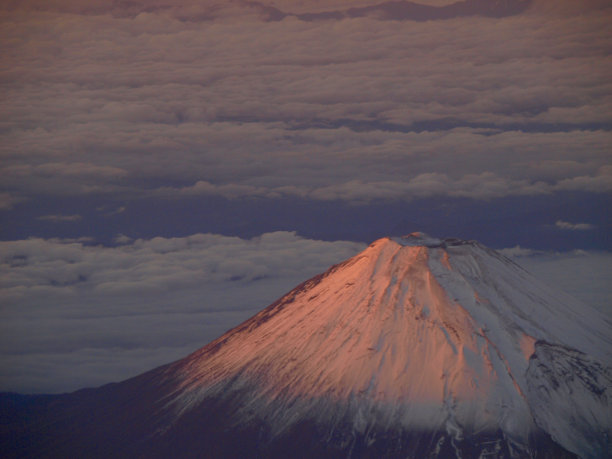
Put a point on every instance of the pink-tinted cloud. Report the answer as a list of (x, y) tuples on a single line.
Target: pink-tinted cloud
[(116, 97)]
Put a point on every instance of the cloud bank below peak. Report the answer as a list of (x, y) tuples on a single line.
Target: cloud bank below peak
[(77, 314)]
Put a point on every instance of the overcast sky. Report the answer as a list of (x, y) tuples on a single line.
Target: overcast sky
[(171, 167)]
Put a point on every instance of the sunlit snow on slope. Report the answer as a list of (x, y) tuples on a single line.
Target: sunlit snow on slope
[(414, 332)]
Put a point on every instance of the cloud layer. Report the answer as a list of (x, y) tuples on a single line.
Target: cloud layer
[(174, 98), (76, 314), (573, 226)]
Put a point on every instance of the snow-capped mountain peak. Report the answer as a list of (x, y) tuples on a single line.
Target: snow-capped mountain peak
[(414, 332)]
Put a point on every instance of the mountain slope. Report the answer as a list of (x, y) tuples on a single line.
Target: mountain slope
[(417, 347)]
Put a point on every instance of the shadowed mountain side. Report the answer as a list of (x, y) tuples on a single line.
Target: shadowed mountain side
[(127, 421)]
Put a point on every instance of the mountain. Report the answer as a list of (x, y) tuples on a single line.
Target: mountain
[(416, 347)]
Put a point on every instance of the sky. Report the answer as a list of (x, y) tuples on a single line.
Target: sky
[(169, 168)]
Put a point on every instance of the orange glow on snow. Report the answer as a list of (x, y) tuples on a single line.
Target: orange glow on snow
[(527, 346), (396, 337)]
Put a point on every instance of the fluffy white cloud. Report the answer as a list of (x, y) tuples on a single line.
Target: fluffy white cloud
[(150, 266), (77, 314), (486, 185), (573, 226)]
